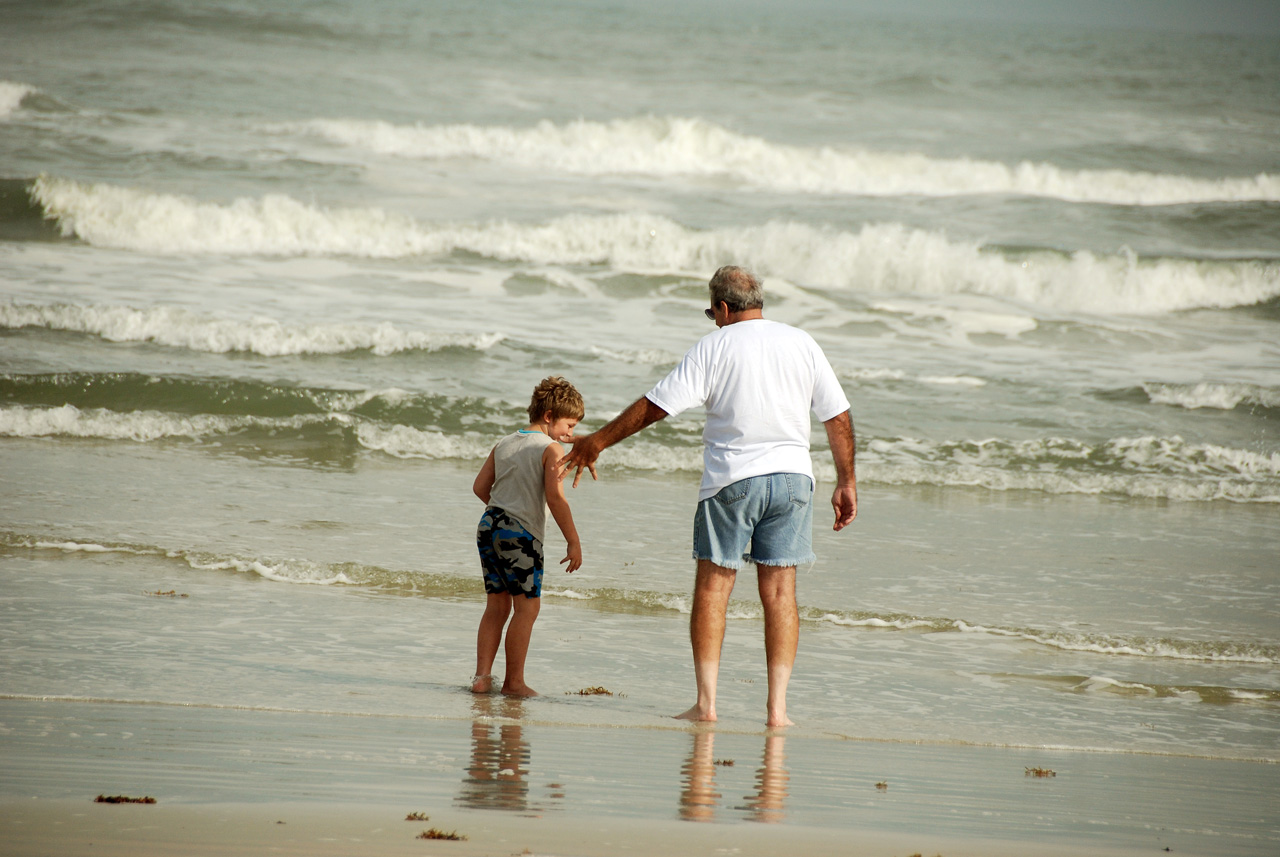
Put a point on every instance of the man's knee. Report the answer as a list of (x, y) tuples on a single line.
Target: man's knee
[(776, 582), (714, 579)]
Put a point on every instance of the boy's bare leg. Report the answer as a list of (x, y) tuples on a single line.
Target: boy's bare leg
[(781, 635), (518, 634), (496, 610), (706, 632)]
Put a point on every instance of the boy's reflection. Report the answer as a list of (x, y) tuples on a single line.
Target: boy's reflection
[(699, 798), (496, 778)]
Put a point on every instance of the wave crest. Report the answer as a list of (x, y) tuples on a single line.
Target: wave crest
[(676, 146), (1210, 395), (184, 329), (11, 97), (879, 258)]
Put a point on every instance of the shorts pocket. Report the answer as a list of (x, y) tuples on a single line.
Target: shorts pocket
[(800, 488), (730, 494)]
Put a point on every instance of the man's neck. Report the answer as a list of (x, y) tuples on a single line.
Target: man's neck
[(744, 315)]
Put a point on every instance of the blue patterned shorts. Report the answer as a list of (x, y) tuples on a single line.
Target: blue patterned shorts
[(509, 555)]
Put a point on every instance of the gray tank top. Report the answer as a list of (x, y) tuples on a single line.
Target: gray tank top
[(517, 483)]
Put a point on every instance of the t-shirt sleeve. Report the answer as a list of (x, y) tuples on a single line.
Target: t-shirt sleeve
[(686, 386), (828, 396)]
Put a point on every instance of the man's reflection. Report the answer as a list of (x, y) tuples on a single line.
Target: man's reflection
[(769, 803), (698, 797), (497, 776)]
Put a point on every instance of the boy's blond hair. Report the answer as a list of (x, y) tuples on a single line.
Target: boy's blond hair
[(557, 396)]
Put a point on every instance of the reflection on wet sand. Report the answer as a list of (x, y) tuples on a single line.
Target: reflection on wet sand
[(768, 804), (698, 796), (497, 777), (699, 799)]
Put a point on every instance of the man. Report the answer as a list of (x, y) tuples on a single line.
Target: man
[(758, 381)]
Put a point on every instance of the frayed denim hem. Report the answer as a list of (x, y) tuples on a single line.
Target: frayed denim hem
[(734, 565), (737, 565), (785, 563)]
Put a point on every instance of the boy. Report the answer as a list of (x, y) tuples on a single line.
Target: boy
[(519, 481)]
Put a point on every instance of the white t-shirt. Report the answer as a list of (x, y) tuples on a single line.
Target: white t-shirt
[(759, 380)]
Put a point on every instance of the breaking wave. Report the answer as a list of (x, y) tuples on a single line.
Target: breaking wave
[(674, 146), (184, 329), (879, 258), (11, 97)]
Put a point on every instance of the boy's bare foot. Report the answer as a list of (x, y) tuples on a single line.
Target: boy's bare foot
[(696, 714), (482, 684), (518, 690)]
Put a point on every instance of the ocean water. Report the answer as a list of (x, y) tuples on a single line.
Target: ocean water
[(273, 279)]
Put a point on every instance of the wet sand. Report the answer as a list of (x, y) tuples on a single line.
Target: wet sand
[(238, 781)]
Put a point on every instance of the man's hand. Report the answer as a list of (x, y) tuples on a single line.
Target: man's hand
[(586, 450), (845, 502)]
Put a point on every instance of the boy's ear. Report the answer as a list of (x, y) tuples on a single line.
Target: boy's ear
[(547, 417)]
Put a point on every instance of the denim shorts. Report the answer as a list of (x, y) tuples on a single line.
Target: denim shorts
[(767, 520)]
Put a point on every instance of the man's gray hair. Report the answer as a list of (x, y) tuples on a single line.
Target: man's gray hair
[(737, 287)]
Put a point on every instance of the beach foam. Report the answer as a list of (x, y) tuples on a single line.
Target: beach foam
[(691, 147), (1207, 394), (181, 328), (882, 258), (11, 97)]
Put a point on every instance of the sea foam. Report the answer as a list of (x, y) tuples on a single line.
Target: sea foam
[(181, 328), (1212, 395), (11, 96), (676, 146), (878, 258), (138, 426)]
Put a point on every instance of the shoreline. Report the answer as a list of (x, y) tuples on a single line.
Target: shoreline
[(727, 726)]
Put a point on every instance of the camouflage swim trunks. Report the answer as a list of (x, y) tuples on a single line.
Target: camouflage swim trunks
[(509, 555)]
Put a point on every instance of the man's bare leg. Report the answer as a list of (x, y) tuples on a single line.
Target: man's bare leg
[(519, 631), (489, 638), (781, 635), (706, 632)]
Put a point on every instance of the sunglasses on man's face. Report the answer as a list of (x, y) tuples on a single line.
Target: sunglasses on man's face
[(711, 314)]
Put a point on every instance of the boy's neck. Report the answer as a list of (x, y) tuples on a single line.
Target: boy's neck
[(532, 427)]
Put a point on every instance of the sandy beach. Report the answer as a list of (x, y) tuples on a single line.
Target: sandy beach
[(237, 781)]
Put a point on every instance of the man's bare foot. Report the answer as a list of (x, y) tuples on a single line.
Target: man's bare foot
[(776, 720), (481, 684), (522, 690), (697, 715)]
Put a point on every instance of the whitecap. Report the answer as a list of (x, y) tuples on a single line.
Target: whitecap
[(691, 147), (11, 97)]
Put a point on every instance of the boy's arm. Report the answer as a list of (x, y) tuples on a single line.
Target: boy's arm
[(483, 486), (559, 506)]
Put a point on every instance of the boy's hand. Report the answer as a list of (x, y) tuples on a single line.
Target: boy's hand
[(573, 556)]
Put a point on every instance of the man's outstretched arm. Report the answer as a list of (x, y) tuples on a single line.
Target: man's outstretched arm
[(845, 499), (586, 449)]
